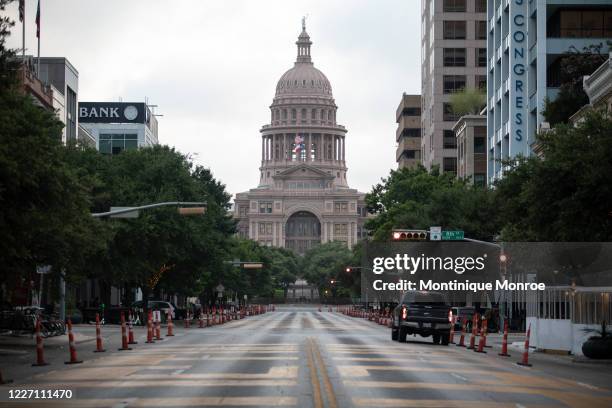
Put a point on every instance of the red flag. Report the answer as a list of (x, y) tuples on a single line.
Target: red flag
[(21, 10), (38, 20)]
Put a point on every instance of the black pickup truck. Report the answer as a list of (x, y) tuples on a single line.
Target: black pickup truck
[(423, 313)]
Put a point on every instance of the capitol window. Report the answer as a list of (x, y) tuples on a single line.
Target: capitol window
[(265, 208)]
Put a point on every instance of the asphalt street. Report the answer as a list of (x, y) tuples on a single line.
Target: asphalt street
[(298, 356)]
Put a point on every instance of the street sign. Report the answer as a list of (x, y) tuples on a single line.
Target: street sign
[(452, 235), (131, 214), (435, 233), (43, 269)]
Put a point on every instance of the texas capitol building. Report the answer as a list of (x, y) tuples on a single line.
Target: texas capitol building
[(303, 197)]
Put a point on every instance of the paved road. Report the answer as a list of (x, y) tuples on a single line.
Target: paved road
[(300, 357)]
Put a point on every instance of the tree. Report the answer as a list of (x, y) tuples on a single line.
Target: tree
[(416, 198), (468, 101), (566, 196), (45, 206), (324, 263), (573, 66)]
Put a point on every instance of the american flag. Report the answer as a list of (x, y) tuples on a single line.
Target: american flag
[(299, 144), (21, 10)]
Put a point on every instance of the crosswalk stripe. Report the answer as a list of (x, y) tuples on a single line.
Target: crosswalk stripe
[(419, 403), (170, 382), (168, 402), (363, 371)]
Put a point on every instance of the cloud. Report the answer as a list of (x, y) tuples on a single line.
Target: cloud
[(211, 67)]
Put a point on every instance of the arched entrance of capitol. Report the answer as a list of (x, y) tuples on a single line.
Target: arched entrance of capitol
[(302, 232)]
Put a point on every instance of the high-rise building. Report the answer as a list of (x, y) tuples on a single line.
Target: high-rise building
[(453, 57), (303, 197), (63, 76), (408, 133), (471, 132), (527, 40)]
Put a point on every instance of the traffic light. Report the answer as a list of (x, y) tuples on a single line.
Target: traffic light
[(191, 210), (409, 235), (347, 269)]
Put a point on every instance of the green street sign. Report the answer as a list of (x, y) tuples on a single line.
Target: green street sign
[(452, 235)]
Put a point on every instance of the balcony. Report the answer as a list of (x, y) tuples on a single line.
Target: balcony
[(506, 128), (533, 7), (492, 23), (499, 12), (506, 4), (498, 135), (533, 104), (498, 53), (506, 86), (506, 43), (532, 55), (492, 102), (42, 94), (492, 63), (498, 95)]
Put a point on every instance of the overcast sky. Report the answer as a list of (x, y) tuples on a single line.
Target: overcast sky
[(212, 66)]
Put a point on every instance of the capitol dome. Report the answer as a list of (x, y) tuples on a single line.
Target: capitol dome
[(303, 79)]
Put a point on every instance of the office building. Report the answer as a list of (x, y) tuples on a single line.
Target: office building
[(63, 76), (117, 126), (408, 133), (303, 197), (453, 57), (471, 132), (527, 40)]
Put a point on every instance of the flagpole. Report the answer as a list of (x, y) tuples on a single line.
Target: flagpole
[(23, 36), (38, 32)]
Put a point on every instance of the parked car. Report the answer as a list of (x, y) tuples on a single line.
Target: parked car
[(423, 313), (165, 307)]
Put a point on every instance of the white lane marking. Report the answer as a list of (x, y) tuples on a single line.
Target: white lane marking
[(519, 406), (589, 386), (460, 377), (177, 372)]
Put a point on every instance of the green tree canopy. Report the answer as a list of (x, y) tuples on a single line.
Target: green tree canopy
[(468, 101)]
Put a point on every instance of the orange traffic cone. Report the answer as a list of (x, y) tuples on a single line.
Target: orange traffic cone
[(462, 337), (525, 360), (452, 330), (40, 355), (99, 347), (170, 326), (124, 335), (150, 328), (73, 354), (158, 336), (504, 352), (483, 337), (474, 331)]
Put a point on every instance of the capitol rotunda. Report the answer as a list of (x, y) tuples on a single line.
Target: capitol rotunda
[(303, 197)]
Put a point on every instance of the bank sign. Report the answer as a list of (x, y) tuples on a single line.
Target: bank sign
[(519, 99), (112, 112)]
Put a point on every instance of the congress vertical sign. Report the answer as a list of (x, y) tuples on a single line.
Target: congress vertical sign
[(519, 100)]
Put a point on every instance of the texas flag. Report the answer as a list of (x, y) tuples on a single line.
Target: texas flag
[(38, 20)]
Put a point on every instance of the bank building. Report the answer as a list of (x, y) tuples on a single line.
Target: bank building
[(303, 197)]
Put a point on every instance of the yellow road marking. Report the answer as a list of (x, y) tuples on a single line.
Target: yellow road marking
[(395, 359), (230, 358), (314, 381), (331, 397)]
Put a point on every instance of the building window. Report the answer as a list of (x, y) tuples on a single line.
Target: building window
[(480, 179), (481, 57), (449, 140), (449, 165), (115, 143), (481, 6), (453, 83), (454, 6), (293, 114), (448, 114), (265, 208), (341, 229), (265, 228), (411, 111), (285, 114), (455, 57), (481, 30), (340, 207), (411, 132), (243, 210), (454, 30), (480, 146), (581, 24)]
